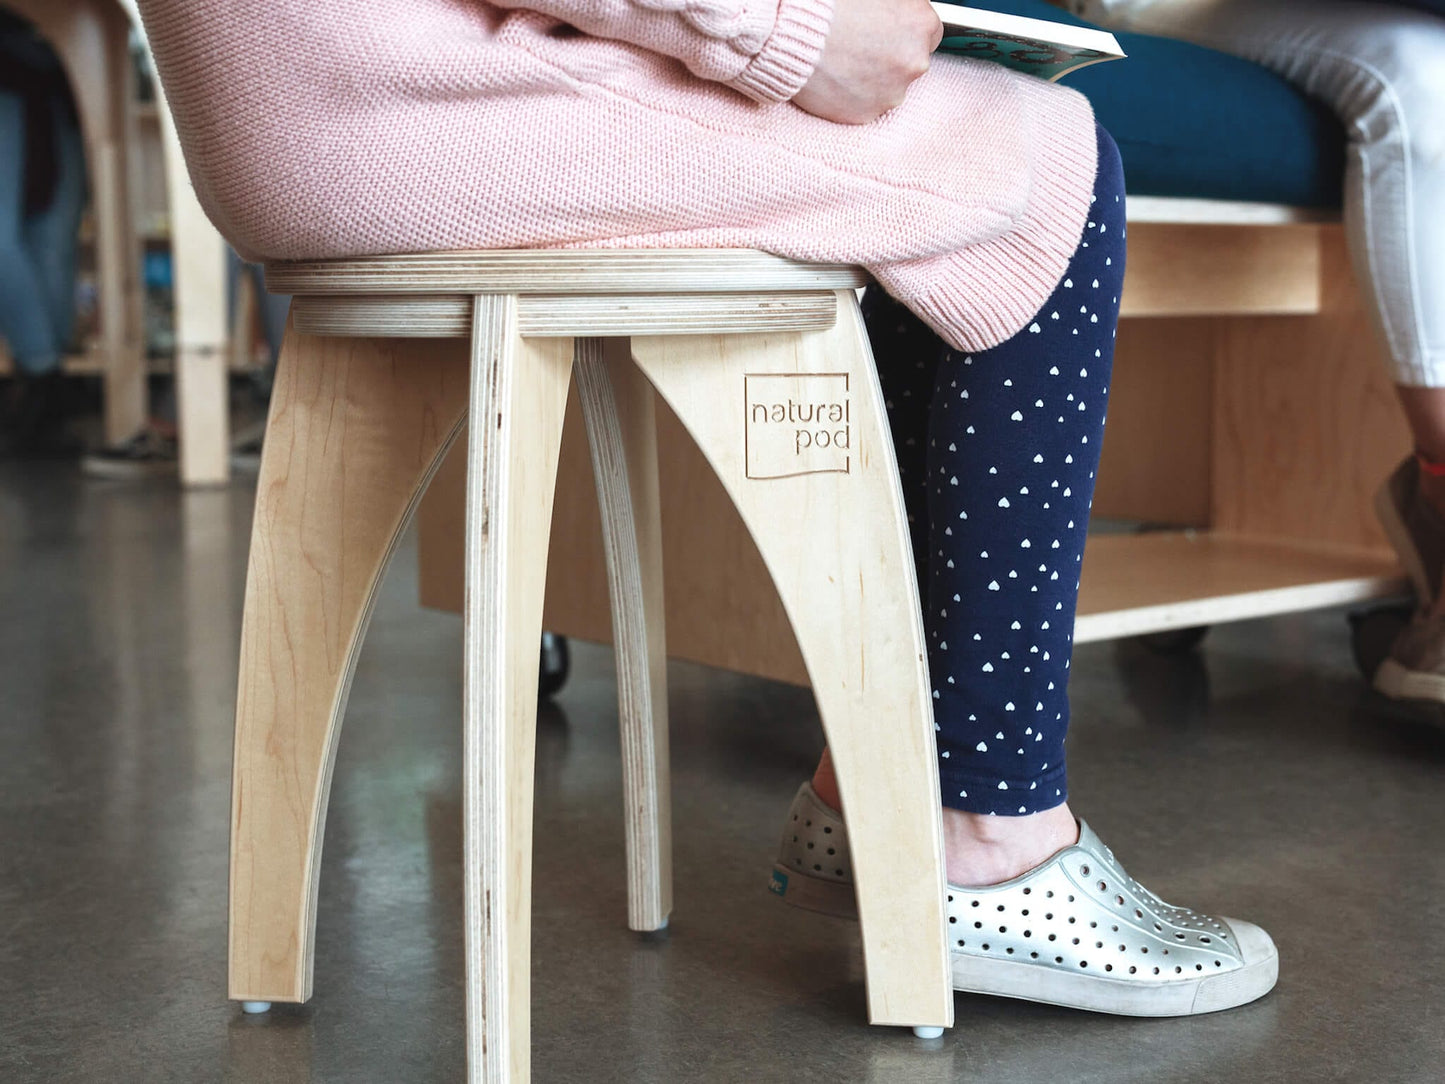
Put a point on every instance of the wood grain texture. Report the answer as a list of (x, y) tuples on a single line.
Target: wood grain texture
[(1202, 270), (355, 430), (568, 316), (836, 544), (722, 608), (562, 271), (397, 317), (518, 399), (1306, 423), (617, 403), (1138, 583), (1158, 443)]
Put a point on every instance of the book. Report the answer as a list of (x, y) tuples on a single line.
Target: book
[(1036, 47)]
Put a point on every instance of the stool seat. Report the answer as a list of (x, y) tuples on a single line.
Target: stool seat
[(562, 271), (766, 362), (565, 293)]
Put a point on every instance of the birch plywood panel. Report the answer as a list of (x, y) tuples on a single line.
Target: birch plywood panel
[(720, 603), (1306, 424), (1157, 448)]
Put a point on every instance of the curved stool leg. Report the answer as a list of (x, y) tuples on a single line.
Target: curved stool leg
[(618, 406), (356, 429), (518, 400), (794, 427)]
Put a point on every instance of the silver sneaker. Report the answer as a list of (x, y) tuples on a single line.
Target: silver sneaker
[(1076, 930)]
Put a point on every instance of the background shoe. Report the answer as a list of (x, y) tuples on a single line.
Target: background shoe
[(34, 418), (813, 870), (1415, 668), (148, 454), (1415, 529), (1076, 930)]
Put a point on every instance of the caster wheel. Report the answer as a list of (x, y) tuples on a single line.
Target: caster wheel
[(1372, 632), (1174, 641), (928, 1032), (556, 665), (253, 1008)]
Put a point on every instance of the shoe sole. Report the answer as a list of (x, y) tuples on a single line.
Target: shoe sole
[(1118, 997), (1399, 538), (813, 893), (1399, 682)]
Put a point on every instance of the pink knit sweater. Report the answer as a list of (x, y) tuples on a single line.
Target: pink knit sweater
[(326, 128)]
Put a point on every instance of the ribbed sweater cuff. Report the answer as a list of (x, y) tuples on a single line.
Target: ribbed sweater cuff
[(787, 59), (977, 298)]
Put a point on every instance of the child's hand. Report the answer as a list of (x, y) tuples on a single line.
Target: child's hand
[(874, 50)]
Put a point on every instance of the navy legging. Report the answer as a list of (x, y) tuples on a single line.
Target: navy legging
[(997, 452)]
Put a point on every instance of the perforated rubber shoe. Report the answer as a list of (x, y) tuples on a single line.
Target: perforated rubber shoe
[(813, 870), (1075, 930)]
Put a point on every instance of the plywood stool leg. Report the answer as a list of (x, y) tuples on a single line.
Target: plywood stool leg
[(356, 429), (518, 400), (617, 403), (794, 426), (199, 269)]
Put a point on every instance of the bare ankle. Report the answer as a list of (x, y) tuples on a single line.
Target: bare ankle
[(825, 783), (983, 850)]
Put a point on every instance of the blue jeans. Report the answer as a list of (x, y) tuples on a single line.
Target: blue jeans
[(38, 251)]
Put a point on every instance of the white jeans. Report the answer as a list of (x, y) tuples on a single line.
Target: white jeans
[(1382, 69)]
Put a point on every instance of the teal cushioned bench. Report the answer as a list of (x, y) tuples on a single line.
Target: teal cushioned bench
[(1195, 123)]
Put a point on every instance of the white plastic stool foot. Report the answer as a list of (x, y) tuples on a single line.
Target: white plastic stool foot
[(925, 1032), (251, 1008)]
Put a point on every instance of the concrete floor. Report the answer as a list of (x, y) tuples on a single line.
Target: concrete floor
[(1257, 778)]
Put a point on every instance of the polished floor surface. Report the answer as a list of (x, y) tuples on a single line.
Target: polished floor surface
[(1257, 778)]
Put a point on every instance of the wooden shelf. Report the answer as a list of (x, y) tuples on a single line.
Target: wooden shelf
[(91, 362), (1214, 212), (1140, 583)]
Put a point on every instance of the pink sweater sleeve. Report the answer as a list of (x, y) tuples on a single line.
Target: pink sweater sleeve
[(766, 49)]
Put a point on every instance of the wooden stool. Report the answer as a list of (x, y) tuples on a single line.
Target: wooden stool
[(92, 40), (767, 363)]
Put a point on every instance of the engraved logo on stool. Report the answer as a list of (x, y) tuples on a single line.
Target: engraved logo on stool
[(797, 423)]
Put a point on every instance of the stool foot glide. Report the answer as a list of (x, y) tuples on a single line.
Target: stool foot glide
[(766, 363)]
